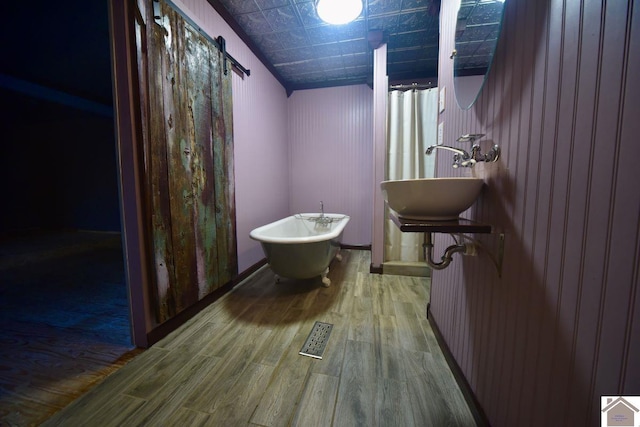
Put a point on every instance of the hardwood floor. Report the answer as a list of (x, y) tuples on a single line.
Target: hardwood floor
[(237, 362), (64, 316)]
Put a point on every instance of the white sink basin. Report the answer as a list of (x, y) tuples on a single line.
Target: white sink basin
[(437, 199)]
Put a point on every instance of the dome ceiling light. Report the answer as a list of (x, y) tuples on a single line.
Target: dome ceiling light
[(338, 12)]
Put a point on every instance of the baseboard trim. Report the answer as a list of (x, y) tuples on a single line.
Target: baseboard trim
[(415, 269), (356, 247), (375, 269), (476, 410), (164, 329)]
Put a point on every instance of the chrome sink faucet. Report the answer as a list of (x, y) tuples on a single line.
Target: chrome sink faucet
[(465, 159), (460, 158)]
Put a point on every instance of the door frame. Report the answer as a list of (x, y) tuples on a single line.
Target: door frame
[(128, 134)]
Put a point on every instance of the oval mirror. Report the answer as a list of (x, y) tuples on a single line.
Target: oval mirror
[(477, 31)]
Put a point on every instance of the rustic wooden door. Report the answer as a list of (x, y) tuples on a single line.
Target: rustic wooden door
[(186, 110)]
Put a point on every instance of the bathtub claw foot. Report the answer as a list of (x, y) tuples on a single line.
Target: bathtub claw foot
[(339, 256), (326, 282)]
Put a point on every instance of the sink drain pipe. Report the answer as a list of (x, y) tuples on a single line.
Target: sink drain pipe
[(446, 259)]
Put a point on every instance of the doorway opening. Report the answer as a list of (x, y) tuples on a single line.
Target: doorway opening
[(63, 296)]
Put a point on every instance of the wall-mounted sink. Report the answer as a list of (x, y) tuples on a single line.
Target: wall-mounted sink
[(436, 199)]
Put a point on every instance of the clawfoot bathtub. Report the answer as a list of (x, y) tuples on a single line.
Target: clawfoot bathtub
[(302, 246)]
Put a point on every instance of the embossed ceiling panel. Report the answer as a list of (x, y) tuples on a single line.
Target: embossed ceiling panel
[(304, 52)]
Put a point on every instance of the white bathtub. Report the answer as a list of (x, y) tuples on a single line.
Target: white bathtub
[(302, 246)]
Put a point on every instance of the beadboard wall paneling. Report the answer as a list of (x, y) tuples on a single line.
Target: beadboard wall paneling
[(561, 327), (380, 117), (259, 132), (330, 152)]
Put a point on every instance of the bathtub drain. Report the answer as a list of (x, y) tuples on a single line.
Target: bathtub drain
[(317, 340)]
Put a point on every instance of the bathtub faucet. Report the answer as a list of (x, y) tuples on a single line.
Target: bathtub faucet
[(322, 219)]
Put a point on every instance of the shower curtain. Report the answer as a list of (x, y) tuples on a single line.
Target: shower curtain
[(412, 126)]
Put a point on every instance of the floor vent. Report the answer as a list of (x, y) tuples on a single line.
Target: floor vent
[(317, 340)]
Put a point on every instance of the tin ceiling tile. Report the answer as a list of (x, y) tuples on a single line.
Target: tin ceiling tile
[(416, 65), (254, 23), (416, 4), (355, 30), (415, 38), (355, 60), (321, 35), (308, 66), (268, 42), (271, 4), (379, 7), (308, 14), (329, 49), (477, 33), (331, 63), (278, 57), (415, 21), (404, 55), (237, 7), (354, 46), (357, 70), (294, 40), (389, 24), (337, 73), (282, 18), (298, 54), (487, 13), (316, 77)]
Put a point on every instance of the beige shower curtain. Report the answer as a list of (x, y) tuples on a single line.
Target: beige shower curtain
[(412, 126)]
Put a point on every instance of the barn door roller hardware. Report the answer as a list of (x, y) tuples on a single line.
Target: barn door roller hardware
[(222, 45), (219, 42)]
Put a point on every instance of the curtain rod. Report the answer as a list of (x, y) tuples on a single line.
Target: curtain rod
[(219, 42), (412, 86)]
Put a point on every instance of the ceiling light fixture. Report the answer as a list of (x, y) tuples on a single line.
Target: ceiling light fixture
[(338, 12)]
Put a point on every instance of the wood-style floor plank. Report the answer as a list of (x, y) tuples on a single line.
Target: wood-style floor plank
[(318, 401), (388, 355), (276, 408), (237, 362), (116, 411), (214, 387), (172, 396), (356, 395), (241, 400), (393, 407), (187, 417)]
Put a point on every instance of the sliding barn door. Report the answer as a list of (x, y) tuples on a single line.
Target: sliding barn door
[(188, 157)]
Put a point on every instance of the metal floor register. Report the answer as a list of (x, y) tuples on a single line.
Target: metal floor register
[(317, 340)]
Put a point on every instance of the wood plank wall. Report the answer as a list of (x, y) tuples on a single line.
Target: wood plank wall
[(541, 344)]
